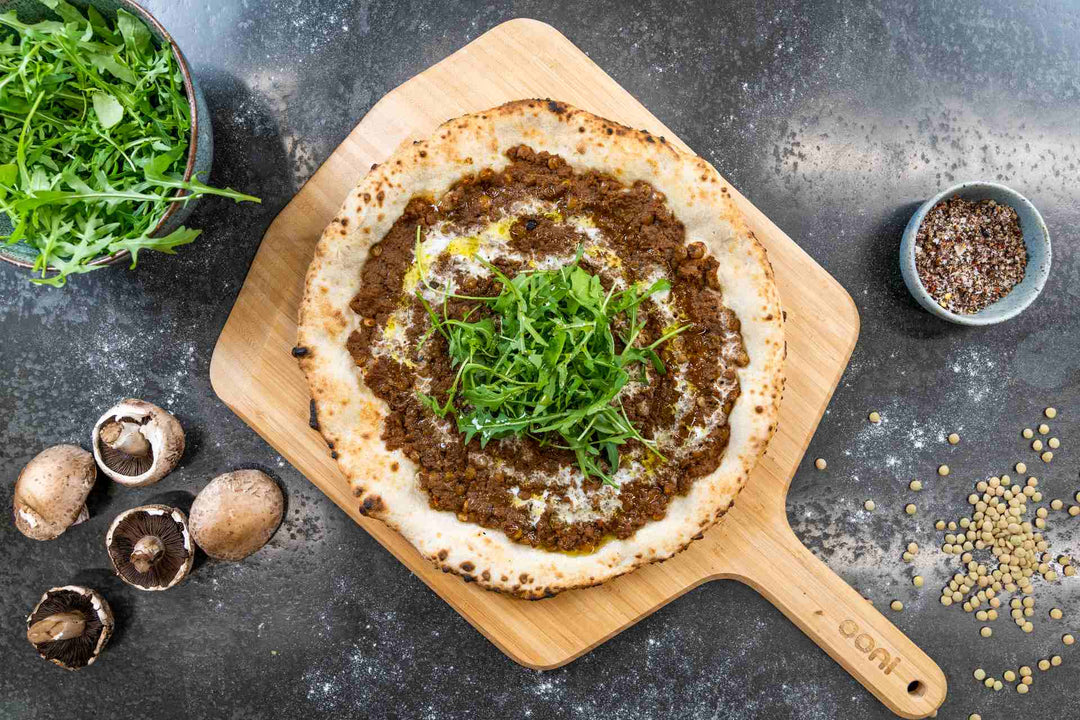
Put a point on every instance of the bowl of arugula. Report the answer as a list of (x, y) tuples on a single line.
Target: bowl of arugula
[(104, 136)]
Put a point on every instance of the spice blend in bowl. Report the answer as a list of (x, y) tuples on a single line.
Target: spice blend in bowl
[(965, 254), (970, 254)]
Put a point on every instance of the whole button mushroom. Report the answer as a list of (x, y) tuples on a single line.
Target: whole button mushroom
[(137, 443), (70, 626), (236, 514), (150, 547), (50, 494)]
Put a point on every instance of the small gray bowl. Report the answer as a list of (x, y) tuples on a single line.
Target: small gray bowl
[(201, 141), (1036, 239)]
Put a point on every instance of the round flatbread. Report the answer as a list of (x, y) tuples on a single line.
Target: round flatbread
[(566, 205)]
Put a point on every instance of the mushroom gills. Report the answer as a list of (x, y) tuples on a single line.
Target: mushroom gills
[(124, 448), (59, 626), (154, 547), (71, 652)]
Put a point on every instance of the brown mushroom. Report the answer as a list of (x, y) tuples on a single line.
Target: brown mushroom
[(50, 494), (70, 626), (236, 514), (150, 547), (137, 443)]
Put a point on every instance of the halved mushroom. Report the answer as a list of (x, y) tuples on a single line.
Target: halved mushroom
[(70, 626), (137, 443), (50, 494), (236, 514), (150, 547)]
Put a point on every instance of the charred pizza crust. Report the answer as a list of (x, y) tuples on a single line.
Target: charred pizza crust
[(351, 416)]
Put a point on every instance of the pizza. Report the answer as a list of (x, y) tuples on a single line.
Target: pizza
[(544, 347)]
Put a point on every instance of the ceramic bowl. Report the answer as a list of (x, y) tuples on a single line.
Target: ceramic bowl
[(201, 142), (1036, 239)]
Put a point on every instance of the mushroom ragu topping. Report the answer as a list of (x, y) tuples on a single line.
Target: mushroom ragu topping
[(66, 627), (124, 448), (150, 547)]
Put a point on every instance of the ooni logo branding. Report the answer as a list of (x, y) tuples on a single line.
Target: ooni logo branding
[(866, 644)]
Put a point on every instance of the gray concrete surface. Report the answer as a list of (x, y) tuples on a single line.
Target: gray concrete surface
[(834, 118)]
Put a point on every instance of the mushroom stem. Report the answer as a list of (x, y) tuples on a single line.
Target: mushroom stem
[(125, 437), (146, 553), (60, 626)]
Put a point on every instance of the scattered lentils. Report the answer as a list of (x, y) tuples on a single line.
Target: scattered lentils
[(1050, 412), (820, 464), (869, 505), (943, 470)]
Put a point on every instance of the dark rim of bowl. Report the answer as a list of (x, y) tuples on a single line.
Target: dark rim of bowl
[(193, 143)]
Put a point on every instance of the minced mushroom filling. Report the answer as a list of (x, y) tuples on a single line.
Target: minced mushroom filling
[(536, 213)]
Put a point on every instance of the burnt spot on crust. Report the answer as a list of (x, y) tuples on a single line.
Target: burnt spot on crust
[(467, 566), (759, 409), (443, 554), (394, 467), (556, 107), (313, 416), (333, 454), (486, 576), (299, 351), (374, 166), (372, 504), (422, 153), (523, 578)]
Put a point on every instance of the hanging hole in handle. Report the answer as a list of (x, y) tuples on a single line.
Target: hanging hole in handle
[(915, 688)]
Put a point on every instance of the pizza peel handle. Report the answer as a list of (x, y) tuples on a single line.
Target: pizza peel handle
[(776, 564)]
